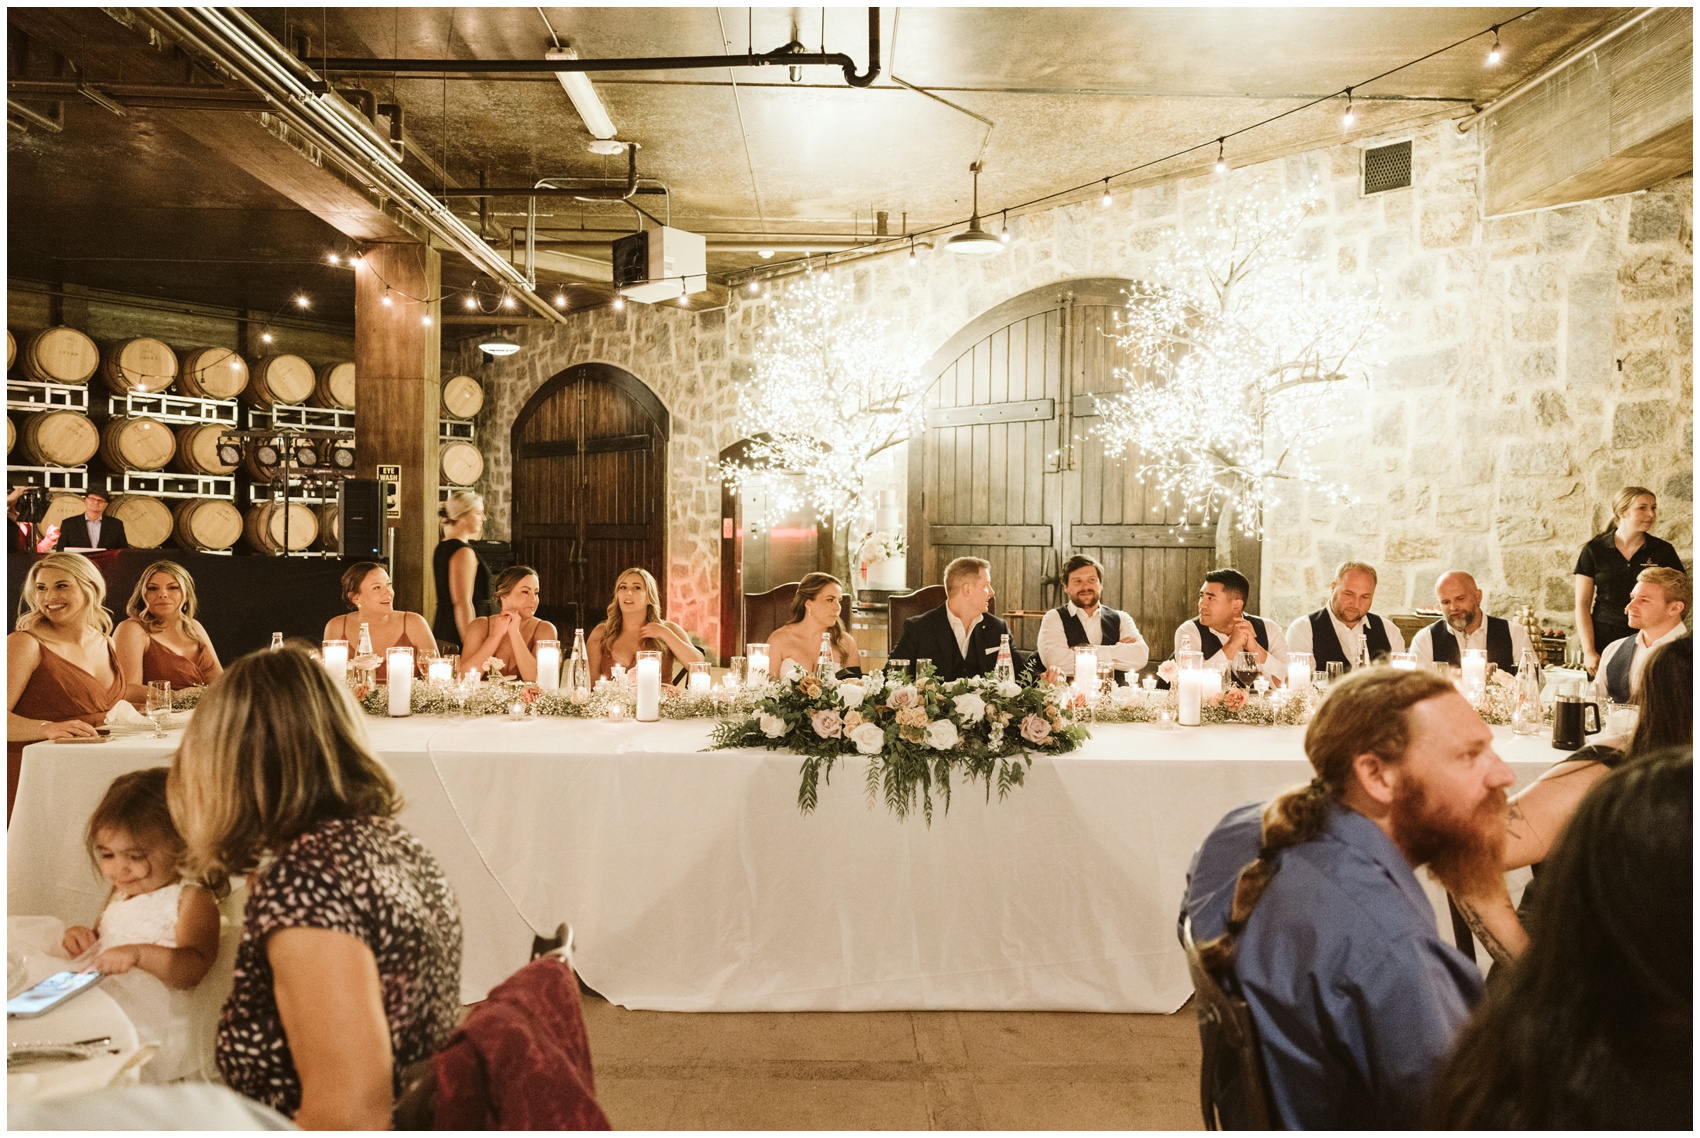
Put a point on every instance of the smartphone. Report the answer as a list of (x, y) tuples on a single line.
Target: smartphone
[(104, 736), (50, 993)]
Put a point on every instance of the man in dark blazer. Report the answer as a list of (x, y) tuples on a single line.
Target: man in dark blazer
[(92, 529), (960, 637)]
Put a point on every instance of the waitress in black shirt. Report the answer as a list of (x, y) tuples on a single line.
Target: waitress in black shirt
[(1607, 566), (463, 582)]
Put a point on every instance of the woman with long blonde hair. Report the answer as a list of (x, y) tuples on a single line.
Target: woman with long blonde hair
[(161, 639), (816, 611), (348, 969), (635, 624), (62, 673)]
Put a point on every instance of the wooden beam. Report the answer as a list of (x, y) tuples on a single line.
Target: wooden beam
[(1617, 120), (397, 381)]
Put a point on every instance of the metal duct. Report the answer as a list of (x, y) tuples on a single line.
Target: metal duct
[(242, 49)]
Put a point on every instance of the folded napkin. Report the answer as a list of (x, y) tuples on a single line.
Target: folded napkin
[(125, 715)]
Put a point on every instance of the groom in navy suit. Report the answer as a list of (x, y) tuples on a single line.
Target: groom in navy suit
[(960, 637)]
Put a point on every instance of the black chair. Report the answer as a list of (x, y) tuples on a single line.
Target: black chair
[(1233, 1090)]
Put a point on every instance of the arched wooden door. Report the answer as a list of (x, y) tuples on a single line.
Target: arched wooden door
[(1009, 469), (589, 489)]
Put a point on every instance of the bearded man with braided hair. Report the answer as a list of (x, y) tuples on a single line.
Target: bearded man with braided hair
[(1309, 907)]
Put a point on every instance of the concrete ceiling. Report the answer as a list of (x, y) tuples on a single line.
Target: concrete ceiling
[(1075, 94)]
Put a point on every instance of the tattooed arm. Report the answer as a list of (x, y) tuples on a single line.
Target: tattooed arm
[(1537, 816), (1493, 920)]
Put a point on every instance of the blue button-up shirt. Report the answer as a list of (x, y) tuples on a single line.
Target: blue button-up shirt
[(1356, 998)]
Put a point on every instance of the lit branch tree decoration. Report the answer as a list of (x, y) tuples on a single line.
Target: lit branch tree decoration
[(827, 394), (1235, 366)]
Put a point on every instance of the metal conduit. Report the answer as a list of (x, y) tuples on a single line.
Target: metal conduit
[(241, 48)]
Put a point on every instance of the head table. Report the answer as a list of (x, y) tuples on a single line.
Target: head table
[(694, 884)]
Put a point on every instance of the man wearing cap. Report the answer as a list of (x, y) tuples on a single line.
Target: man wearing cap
[(93, 529)]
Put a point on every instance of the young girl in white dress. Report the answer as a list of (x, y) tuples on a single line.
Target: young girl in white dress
[(157, 936)]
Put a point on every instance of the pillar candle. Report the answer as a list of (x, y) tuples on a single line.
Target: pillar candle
[(549, 665), (649, 686), (700, 682), (1475, 671), (1298, 671), (335, 653), (1404, 661), (757, 655), (399, 664), (441, 670), (1191, 686), (1085, 671)]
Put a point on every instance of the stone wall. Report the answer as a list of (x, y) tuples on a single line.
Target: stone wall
[(1532, 365)]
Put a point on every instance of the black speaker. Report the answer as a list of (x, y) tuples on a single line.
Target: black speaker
[(360, 510)]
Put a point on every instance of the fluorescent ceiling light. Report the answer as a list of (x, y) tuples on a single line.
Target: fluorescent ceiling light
[(584, 97)]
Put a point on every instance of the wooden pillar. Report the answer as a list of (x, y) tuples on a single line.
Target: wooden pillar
[(397, 361)]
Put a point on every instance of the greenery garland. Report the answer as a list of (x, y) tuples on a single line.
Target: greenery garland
[(609, 700), (917, 735)]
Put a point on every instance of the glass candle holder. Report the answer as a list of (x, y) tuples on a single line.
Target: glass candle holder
[(549, 665), (697, 680), (334, 653), (398, 662)]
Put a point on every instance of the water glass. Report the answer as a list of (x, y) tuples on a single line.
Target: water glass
[(1336, 669), (735, 672), (159, 705)]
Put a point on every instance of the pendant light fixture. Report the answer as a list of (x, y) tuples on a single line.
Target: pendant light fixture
[(498, 344), (974, 241)]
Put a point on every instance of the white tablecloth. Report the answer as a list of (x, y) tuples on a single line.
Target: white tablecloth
[(694, 884)]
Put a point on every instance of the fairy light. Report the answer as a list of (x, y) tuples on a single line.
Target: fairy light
[(560, 300), (332, 258), (265, 337), (619, 303), (1495, 53), (1106, 199), (471, 302), (1350, 117), (507, 300), (755, 288), (425, 320), (1222, 155), (1003, 234), (826, 394), (387, 302), (913, 259), (301, 301), (1225, 396)]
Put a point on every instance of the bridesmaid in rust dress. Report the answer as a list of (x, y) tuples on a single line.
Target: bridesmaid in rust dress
[(162, 640), (366, 587), (512, 634), (62, 672)]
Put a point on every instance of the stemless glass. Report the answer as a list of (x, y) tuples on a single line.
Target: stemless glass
[(159, 705), (1336, 669)]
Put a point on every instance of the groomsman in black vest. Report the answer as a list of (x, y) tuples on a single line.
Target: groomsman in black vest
[(1085, 620), (960, 637), (1466, 626), (1337, 631), (1656, 607), (1223, 630)]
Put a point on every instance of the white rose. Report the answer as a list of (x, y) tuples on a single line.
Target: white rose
[(969, 707), (772, 726), (790, 671), (873, 683), (869, 738), (851, 694), (941, 734), (1009, 689)]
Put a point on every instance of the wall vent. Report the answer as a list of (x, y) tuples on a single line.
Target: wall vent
[(1387, 167)]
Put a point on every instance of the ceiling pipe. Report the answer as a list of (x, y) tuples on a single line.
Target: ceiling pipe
[(241, 48), (593, 193), (779, 57)]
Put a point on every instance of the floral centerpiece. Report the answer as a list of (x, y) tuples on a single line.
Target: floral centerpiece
[(609, 700), (917, 734)]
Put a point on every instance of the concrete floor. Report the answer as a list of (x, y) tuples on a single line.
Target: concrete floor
[(894, 1070)]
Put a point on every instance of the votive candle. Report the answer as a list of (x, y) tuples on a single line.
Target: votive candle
[(399, 664), (648, 686), (1475, 671), (440, 670), (700, 682), (1212, 680), (549, 665), (1404, 661), (335, 653)]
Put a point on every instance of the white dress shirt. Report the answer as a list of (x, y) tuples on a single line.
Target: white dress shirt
[(1274, 665), (1638, 645), (1422, 644), (94, 531), (1298, 635), (963, 632), (1054, 652)]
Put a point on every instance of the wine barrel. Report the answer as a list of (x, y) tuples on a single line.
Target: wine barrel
[(11, 435), (197, 449), (147, 521), (11, 349), (462, 397), (207, 524), (330, 528), (139, 364), (264, 527), (136, 442), (461, 463), (60, 506), (335, 387), (60, 355), (280, 379), (59, 438), (213, 373)]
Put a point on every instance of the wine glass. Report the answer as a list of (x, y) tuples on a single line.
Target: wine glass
[(159, 705), (1245, 668), (463, 689)]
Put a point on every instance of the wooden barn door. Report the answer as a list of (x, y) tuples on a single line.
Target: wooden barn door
[(589, 489), (1008, 468)]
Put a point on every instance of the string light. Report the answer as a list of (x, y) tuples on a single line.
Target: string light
[(1222, 155), (301, 300), (387, 302), (755, 288), (913, 259), (265, 337), (334, 259), (619, 303), (507, 300), (471, 301), (1003, 234), (560, 299), (425, 320), (1350, 116), (1105, 200), (1495, 53)]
